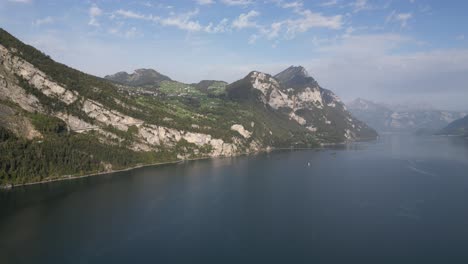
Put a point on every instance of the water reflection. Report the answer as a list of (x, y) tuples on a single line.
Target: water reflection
[(303, 206)]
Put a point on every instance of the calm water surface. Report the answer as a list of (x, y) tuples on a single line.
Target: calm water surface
[(400, 199)]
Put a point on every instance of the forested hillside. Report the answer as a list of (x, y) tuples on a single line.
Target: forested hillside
[(58, 121)]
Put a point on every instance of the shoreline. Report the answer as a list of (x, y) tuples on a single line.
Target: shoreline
[(74, 177), (71, 177)]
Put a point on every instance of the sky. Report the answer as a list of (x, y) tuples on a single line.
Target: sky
[(392, 51)]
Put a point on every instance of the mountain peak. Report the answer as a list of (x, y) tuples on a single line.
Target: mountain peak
[(296, 77), (139, 77), (145, 71), (293, 71), (258, 74)]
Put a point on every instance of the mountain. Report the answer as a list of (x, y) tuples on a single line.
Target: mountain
[(458, 127), (296, 77), (140, 77), (57, 121), (298, 96), (375, 115), (387, 118)]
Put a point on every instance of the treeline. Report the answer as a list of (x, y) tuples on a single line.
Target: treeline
[(61, 154)]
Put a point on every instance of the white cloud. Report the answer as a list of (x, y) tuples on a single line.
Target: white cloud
[(293, 5), (183, 21), (204, 2), (362, 45), (310, 20), (401, 18), (291, 27), (44, 21), (237, 2), (221, 27), (245, 20), (360, 5), (94, 12), (274, 30), (329, 3), (129, 14), (126, 33), (368, 66), (134, 15)]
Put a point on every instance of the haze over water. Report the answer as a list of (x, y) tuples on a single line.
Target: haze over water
[(400, 199)]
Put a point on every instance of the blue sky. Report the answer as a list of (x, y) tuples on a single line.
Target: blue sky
[(385, 50)]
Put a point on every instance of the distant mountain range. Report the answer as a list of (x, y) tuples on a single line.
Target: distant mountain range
[(58, 121), (386, 118), (458, 127)]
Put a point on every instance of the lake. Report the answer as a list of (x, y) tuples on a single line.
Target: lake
[(400, 199)]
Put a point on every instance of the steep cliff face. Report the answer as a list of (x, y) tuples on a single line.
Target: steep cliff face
[(17, 123), (81, 123), (22, 83), (149, 136), (297, 95)]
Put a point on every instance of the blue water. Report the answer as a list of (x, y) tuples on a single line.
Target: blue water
[(400, 199)]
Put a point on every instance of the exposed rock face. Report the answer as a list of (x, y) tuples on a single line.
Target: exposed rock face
[(297, 118), (277, 96), (76, 124), (147, 112), (152, 136), (290, 108), (241, 130), (293, 91), (158, 135), (9, 90), (18, 124), (296, 76), (320, 110), (35, 77), (97, 111), (39, 80), (309, 96)]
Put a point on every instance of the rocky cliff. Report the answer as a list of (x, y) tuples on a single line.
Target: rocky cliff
[(68, 122), (297, 95)]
